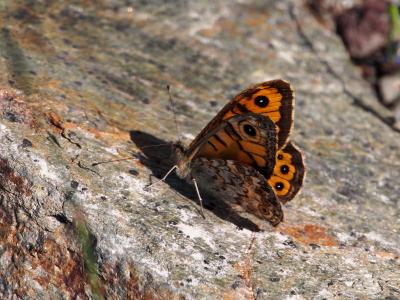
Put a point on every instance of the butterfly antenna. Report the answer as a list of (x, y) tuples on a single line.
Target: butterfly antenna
[(174, 113)]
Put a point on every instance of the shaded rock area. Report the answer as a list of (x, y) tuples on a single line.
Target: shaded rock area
[(83, 82)]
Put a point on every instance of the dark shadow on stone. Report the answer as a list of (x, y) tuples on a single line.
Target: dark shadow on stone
[(159, 156)]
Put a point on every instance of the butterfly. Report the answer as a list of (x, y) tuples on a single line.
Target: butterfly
[(243, 157)]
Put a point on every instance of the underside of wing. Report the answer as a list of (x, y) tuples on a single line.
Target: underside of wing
[(239, 186), (273, 99), (248, 138)]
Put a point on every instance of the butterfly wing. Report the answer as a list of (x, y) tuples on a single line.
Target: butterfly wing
[(288, 174), (248, 138), (241, 187), (273, 99)]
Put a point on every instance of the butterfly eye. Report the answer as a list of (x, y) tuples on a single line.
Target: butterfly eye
[(249, 130), (261, 101), (279, 186), (284, 169)]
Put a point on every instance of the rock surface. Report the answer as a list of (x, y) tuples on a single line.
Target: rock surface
[(84, 82)]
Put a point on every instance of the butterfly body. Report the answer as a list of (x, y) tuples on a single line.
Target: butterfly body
[(243, 157)]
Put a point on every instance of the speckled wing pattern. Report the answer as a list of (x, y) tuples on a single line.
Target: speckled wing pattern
[(240, 186)]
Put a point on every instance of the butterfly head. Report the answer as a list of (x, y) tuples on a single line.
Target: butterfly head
[(182, 161)]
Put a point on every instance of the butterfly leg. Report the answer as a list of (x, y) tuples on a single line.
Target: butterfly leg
[(200, 199), (160, 180)]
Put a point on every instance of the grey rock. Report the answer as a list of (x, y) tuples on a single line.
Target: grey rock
[(84, 82)]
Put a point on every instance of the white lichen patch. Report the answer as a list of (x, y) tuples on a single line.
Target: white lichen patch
[(155, 267), (46, 171), (134, 186), (325, 294), (348, 283), (2, 129), (294, 297), (197, 256), (344, 237), (197, 232), (350, 261), (113, 151), (186, 215), (118, 244), (309, 211), (281, 241), (377, 237), (287, 56), (381, 197), (205, 19)]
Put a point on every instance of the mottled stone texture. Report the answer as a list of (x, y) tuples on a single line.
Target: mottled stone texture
[(82, 82)]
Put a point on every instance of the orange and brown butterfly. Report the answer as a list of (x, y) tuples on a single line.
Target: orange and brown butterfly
[(244, 157)]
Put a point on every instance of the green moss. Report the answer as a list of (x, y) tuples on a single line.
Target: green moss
[(87, 243)]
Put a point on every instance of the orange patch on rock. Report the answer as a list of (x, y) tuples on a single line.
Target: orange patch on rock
[(117, 135), (244, 268), (310, 234), (387, 255), (256, 20), (55, 120), (222, 25)]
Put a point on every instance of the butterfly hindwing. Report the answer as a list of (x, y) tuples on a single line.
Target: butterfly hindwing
[(240, 187), (288, 174)]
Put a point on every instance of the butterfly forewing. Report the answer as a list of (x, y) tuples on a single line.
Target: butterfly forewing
[(273, 99), (248, 138)]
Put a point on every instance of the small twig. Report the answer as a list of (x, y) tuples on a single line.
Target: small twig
[(113, 160), (80, 165)]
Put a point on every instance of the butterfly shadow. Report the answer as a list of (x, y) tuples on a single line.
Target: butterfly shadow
[(159, 156)]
